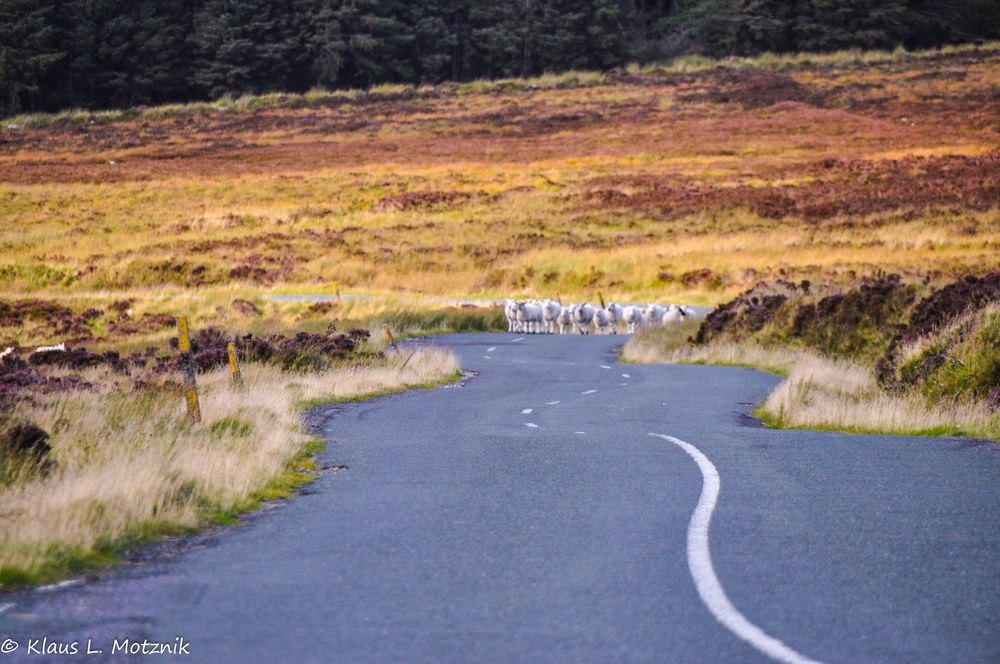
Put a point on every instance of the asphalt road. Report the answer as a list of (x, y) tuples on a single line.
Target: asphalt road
[(528, 515)]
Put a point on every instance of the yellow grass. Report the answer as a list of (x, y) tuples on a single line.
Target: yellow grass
[(301, 195), (818, 392), (823, 394), (130, 465)]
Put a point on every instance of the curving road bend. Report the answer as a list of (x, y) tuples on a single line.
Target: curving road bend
[(529, 515)]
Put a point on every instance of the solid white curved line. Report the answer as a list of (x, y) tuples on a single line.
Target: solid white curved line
[(700, 564)]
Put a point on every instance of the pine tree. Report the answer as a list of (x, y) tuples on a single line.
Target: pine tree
[(100, 53), (610, 32), (243, 46), (560, 36), (823, 25), (28, 52), (496, 39), (437, 25)]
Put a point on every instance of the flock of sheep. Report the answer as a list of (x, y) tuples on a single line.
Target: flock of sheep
[(549, 316)]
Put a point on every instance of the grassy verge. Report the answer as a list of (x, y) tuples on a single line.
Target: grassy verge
[(130, 468), (799, 60), (820, 392)]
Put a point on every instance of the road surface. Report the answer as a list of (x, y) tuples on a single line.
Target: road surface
[(529, 516)]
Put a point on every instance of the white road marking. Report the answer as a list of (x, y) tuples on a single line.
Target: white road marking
[(582, 433), (626, 376), (518, 339), (551, 403), (491, 349), (623, 384), (531, 425), (526, 411), (486, 357), (588, 392), (57, 586), (4, 607), (700, 563), (604, 366)]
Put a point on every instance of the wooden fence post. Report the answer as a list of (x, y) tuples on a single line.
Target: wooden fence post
[(234, 365), (388, 334), (190, 386)]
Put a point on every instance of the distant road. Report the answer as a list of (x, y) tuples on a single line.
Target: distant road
[(528, 515), (448, 301)]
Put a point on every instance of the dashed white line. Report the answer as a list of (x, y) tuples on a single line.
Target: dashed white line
[(623, 384), (531, 425), (580, 433), (491, 349), (4, 607), (551, 403), (700, 563), (588, 392), (604, 366), (518, 339), (526, 411), (626, 376), (487, 357)]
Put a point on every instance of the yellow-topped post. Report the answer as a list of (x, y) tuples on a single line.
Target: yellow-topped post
[(234, 365), (388, 335), (187, 362)]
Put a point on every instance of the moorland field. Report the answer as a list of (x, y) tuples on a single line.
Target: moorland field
[(842, 204), (690, 181)]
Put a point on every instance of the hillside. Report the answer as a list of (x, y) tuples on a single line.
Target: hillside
[(690, 182)]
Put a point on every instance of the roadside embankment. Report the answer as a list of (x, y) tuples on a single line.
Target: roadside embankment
[(886, 356)]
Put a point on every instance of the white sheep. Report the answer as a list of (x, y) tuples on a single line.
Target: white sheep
[(550, 311), (9, 351), (583, 316), (602, 321), (565, 320), (633, 317), (529, 315), (653, 314), (510, 310), (675, 315), (614, 313)]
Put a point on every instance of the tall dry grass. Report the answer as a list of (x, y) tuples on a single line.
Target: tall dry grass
[(825, 394), (818, 392), (129, 465)]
